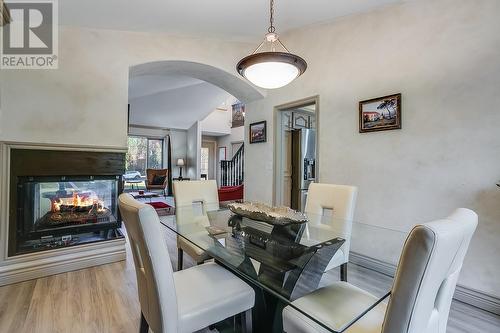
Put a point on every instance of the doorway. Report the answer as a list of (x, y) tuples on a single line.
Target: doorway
[(208, 160), (295, 151)]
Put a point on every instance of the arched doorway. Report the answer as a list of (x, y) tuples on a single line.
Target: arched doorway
[(176, 105)]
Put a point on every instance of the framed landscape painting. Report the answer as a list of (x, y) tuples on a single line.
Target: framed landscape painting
[(258, 132), (380, 114)]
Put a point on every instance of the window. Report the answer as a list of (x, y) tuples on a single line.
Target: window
[(155, 154), (144, 153)]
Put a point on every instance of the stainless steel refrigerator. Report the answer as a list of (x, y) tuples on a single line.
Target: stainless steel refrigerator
[(303, 166)]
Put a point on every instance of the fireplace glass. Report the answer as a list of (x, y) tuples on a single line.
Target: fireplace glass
[(60, 211)]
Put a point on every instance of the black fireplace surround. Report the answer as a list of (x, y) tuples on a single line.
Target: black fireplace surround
[(63, 198)]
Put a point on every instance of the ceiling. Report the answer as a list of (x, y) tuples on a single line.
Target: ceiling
[(230, 19), (172, 101)]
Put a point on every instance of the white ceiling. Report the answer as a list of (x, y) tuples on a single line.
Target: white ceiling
[(230, 19), (172, 101)]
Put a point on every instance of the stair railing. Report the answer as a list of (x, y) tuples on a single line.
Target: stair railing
[(232, 170)]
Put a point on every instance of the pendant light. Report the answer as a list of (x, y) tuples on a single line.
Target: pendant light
[(271, 65)]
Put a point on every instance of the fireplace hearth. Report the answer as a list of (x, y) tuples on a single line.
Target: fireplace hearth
[(63, 198)]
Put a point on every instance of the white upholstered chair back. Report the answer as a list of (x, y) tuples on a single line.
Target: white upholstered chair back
[(155, 280), (427, 274), (204, 191), (341, 200)]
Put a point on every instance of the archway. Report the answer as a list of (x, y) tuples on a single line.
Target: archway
[(213, 76), (237, 87)]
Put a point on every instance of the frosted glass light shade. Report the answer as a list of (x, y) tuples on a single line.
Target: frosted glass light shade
[(271, 75), (180, 162), (271, 70)]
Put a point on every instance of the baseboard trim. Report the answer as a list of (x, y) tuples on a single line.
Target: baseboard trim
[(478, 299), (30, 270), (372, 263), (463, 294)]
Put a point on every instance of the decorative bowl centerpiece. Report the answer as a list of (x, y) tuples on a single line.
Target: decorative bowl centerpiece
[(281, 216)]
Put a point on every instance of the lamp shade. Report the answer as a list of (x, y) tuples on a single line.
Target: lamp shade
[(180, 162), (271, 70)]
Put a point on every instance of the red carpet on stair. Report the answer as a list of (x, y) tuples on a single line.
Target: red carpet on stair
[(230, 193)]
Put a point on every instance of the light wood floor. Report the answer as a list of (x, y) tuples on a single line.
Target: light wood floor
[(104, 299)]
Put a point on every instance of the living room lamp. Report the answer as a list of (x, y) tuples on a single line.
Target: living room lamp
[(180, 164), (271, 65)]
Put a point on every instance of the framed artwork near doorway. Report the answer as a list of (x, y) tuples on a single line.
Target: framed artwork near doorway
[(380, 114), (258, 132)]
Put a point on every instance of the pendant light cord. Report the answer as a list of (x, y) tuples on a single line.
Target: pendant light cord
[(271, 29), (271, 17)]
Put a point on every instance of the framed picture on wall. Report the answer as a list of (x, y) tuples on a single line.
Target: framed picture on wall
[(380, 114), (258, 132), (238, 115)]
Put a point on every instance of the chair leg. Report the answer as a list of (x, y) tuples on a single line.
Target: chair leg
[(144, 328), (246, 321), (180, 257), (343, 272)]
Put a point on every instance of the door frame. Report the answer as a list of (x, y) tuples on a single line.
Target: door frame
[(214, 156), (278, 143)]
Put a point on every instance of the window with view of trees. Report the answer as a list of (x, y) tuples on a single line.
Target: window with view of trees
[(144, 153)]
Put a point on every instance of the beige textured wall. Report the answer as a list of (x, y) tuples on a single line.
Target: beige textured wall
[(444, 57), (84, 102)]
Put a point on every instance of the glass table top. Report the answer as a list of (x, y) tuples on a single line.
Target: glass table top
[(294, 260)]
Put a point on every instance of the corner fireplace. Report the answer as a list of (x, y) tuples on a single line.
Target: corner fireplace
[(63, 198)]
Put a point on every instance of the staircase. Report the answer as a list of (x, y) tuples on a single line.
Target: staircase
[(232, 170)]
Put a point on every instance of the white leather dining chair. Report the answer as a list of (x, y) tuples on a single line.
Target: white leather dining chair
[(186, 193), (422, 292), (184, 301), (341, 200)]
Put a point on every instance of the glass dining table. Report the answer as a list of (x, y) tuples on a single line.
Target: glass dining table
[(286, 262)]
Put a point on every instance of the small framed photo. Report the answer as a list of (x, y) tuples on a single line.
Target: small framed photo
[(380, 114), (258, 132), (238, 115)]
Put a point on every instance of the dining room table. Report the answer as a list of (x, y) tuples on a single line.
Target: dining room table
[(283, 262)]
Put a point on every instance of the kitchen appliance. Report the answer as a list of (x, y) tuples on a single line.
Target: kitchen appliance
[(303, 166)]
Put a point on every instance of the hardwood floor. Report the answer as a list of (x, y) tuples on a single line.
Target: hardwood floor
[(104, 299), (98, 299)]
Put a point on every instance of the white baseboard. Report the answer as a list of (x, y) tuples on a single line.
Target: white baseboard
[(463, 294), (101, 253), (478, 299)]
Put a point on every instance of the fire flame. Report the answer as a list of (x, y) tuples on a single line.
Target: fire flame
[(78, 201)]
